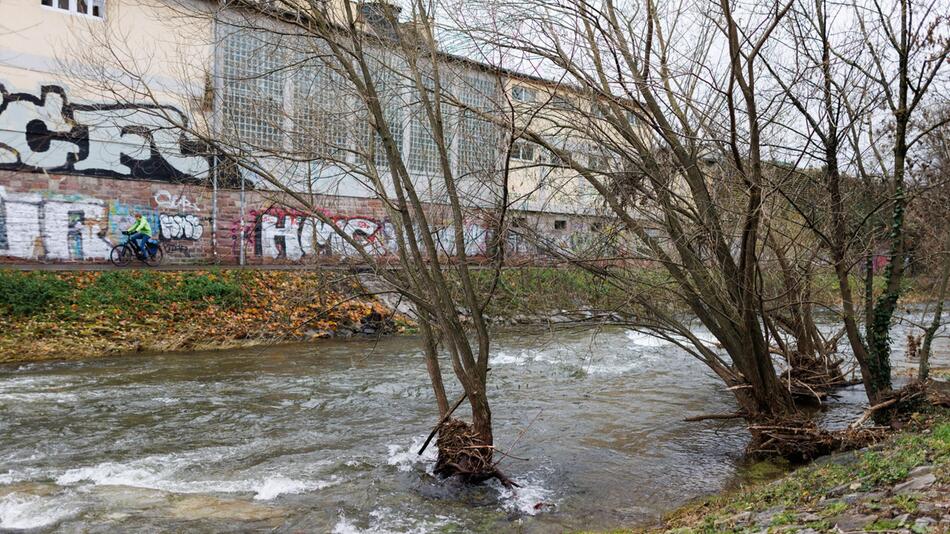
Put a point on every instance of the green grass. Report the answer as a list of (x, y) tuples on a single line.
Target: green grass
[(226, 291), (24, 294), (802, 490), (67, 295)]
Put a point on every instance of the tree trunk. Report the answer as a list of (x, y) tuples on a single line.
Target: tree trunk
[(924, 370)]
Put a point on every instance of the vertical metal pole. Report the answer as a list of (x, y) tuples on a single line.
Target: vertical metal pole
[(214, 209), (241, 259)]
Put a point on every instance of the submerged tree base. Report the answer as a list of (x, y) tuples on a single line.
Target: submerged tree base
[(800, 439), (463, 454), (812, 379)]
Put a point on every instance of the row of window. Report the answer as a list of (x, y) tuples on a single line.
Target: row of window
[(526, 95), (531, 153), (277, 95), (93, 8)]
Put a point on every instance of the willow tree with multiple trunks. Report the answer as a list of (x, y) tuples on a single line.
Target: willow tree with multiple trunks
[(362, 80), (857, 94), (678, 144), (707, 159)]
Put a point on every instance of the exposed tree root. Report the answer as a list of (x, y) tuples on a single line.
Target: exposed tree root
[(463, 454)]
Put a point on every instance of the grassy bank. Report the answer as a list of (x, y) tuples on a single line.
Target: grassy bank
[(533, 290), (900, 485), (75, 314), (69, 315)]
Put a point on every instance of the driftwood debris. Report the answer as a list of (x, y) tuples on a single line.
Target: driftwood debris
[(463, 454), (802, 439), (715, 416), (461, 451), (441, 422)]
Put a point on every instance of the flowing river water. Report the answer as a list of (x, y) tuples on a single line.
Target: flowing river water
[(323, 437)]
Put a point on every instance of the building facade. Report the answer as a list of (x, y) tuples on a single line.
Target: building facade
[(104, 103)]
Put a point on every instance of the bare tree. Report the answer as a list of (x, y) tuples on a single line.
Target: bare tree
[(838, 80), (364, 83), (677, 158), (931, 220)]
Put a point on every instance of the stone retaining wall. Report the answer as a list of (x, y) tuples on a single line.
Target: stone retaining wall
[(68, 218)]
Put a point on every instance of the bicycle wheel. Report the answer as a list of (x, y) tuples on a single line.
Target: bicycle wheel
[(121, 255), (156, 259)]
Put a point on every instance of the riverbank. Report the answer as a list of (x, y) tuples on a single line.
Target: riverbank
[(73, 315), (899, 485), (80, 314)]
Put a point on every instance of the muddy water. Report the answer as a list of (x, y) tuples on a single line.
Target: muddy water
[(322, 438)]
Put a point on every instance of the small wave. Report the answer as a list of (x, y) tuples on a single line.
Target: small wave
[(388, 520), (405, 458), (312, 403), (503, 358), (31, 511), (569, 360), (39, 396), (641, 339), (141, 475), (609, 368), (344, 526), (530, 499), (272, 487)]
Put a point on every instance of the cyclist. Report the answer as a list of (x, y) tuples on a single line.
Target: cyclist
[(140, 232)]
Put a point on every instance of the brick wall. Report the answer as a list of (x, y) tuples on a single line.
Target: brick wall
[(68, 218)]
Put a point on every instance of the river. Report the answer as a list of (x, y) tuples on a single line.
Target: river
[(322, 437)]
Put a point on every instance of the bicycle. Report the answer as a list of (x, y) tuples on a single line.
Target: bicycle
[(123, 253)]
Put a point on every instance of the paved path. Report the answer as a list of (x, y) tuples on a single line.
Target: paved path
[(170, 267)]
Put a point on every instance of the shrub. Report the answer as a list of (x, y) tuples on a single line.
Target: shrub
[(26, 294)]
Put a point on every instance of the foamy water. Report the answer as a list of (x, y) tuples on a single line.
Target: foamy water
[(406, 458), (19, 511)]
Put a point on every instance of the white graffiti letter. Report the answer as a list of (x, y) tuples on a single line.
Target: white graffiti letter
[(272, 235), (180, 226)]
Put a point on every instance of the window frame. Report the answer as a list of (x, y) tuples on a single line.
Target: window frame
[(73, 8), (519, 147), (529, 95)]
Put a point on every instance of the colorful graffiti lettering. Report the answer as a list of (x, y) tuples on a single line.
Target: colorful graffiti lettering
[(40, 226), (279, 233), (48, 226)]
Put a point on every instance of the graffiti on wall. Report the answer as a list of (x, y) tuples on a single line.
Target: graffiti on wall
[(68, 227), (280, 233), (180, 226), (46, 132), (167, 200), (56, 227)]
